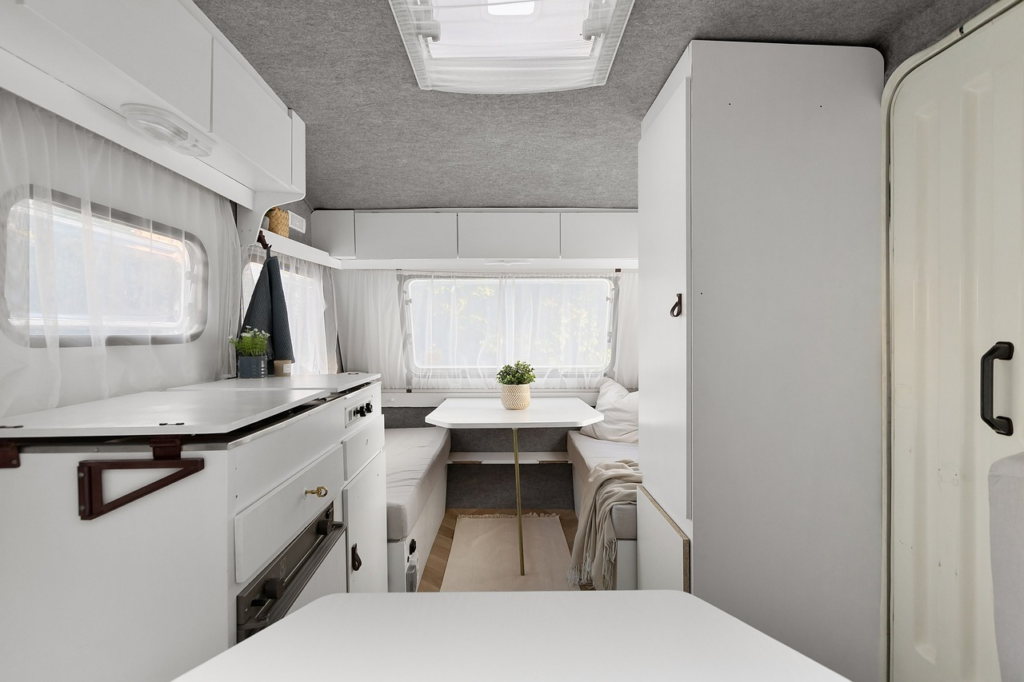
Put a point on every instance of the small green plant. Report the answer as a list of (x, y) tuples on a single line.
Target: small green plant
[(517, 374), (251, 342)]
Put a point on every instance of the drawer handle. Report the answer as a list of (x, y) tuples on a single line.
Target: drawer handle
[(319, 491)]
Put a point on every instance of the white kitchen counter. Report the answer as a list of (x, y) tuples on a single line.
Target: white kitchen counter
[(512, 636), (335, 383), (157, 413)]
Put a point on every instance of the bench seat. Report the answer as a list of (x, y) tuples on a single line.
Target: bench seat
[(584, 454), (417, 475)]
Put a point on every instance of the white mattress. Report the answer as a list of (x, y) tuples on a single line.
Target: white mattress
[(586, 453), (416, 459)]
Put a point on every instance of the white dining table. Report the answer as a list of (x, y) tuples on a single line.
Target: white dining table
[(512, 637), (488, 413)]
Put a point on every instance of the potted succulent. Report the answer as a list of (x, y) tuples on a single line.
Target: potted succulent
[(515, 383), (251, 347)]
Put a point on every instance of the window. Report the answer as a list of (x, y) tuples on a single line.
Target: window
[(470, 326), (115, 275)]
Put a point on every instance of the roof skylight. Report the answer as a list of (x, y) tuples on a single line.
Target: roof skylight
[(511, 46)]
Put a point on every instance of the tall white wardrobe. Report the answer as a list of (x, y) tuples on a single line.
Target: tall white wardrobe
[(761, 410)]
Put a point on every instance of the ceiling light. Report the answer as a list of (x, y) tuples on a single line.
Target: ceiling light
[(165, 127), (511, 46)]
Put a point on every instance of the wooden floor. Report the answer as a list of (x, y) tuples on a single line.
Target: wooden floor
[(433, 571)]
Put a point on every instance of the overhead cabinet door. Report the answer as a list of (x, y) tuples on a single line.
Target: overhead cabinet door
[(159, 44), (600, 235), (249, 119), (957, 242), (508, 235), (383, 236)]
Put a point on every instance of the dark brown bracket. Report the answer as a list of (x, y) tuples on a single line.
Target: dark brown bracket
[(9, 457), (166, 455)]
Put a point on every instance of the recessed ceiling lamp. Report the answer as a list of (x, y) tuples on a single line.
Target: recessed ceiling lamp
[(163, 126), (511, 46)]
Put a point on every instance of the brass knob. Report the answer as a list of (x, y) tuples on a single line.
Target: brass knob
[(320, 491)]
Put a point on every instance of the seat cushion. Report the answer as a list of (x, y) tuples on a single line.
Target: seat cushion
[(585, 453), (620, 409), (416, 459)]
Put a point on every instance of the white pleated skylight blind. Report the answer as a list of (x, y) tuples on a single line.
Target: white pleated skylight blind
[(505, 46)]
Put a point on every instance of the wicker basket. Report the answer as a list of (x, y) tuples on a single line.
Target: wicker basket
[(515, 396), (278, 221)]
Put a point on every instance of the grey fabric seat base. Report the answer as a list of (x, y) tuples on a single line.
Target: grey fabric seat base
[(416, 461), (585, 453)]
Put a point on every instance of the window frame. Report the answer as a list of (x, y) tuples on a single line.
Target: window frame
[(116, 216), (408, 351)]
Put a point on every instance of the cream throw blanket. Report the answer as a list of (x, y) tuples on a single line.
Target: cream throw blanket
[(609, 483)]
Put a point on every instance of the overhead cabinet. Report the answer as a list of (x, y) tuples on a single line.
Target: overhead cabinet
[(86, 60), (476, 234)]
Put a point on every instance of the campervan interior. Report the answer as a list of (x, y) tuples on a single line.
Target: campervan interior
[(511, 340)]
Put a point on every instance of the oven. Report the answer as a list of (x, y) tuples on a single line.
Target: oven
[(311, 566)]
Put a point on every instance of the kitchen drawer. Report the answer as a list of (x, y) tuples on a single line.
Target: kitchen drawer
[(361, 446), (280, 451), (270, 523)]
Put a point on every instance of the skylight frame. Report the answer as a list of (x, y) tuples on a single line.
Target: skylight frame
[(419, 27)]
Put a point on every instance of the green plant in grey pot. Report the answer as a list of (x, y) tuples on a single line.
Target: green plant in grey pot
[(515, 383), (251, 347)]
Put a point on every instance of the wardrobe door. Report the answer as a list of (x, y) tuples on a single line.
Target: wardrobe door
[(957, 279)]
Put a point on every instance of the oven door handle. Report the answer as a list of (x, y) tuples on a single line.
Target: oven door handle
[(301, 579)]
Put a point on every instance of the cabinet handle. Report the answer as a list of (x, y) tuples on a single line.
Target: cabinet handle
[(1003, 350), (677, 308), (357, 563), (319, 491)]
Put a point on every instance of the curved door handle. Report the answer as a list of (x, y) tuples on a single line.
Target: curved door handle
[(1003, 350), (357, 563), (677, 309)]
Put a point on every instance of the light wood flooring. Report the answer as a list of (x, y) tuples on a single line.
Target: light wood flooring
[(433, 571)]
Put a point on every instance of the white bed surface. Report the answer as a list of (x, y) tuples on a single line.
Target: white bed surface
[(512, 636), (416, 459)]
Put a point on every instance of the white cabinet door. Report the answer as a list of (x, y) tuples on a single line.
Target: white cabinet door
[(335, 233), (509, 235), (957, 237), (600, 235), (365, 502), (158, 44), (249, 119), (382, 236), (663, 188)]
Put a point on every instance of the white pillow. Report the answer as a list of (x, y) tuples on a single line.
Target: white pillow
[(619, 408)]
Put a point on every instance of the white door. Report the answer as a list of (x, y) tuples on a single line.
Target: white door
[(366, 515), (958, 290)]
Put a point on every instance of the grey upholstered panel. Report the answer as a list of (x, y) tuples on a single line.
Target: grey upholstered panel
[(1006, 525), (376, 141)]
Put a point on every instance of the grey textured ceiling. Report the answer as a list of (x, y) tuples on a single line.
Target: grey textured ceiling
[(375, 140)]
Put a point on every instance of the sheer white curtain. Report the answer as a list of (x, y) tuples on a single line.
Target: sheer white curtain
[(626, 369), (370, 324), (304, 285), (451, 331), (118, 275)]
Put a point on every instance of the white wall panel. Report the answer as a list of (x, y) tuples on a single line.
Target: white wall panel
[(334, 232), (958, 245)]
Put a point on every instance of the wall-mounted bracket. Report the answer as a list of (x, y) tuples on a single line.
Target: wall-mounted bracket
[(166, 455), (9, 456)]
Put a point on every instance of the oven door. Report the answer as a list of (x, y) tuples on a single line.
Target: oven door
[(311, 566)]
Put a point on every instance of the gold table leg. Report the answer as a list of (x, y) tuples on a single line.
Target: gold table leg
[(519, 504)]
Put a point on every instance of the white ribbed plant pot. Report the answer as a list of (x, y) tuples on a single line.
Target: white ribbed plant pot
[(515, 396)]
